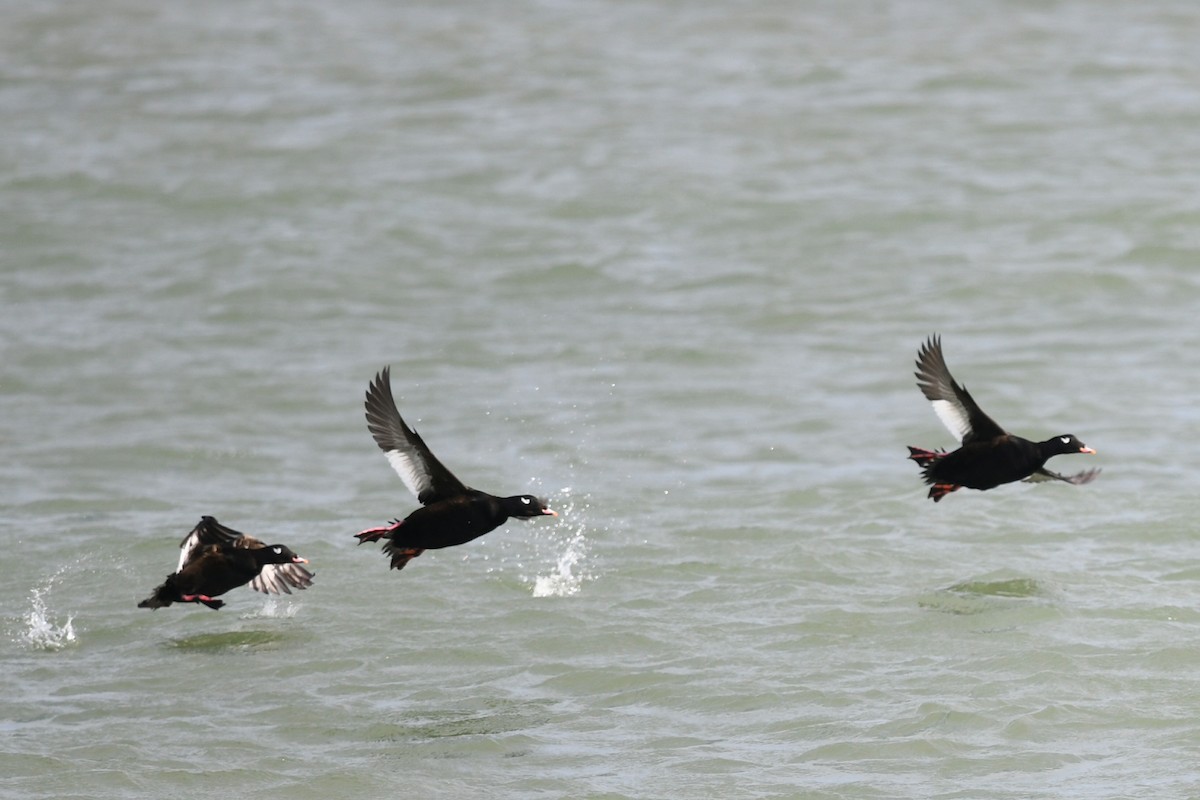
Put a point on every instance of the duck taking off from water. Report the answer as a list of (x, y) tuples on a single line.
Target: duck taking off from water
[(451, 513), (988, 455), (214, 559)]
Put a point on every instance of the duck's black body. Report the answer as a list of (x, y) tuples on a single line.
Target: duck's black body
[(215, 559), (989, 455), (451, 513)]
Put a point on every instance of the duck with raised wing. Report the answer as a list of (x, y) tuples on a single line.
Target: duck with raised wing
[(988, 455), (451, 513), (214, 559)]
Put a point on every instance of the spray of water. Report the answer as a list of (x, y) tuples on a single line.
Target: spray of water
[(274, 608), (563, 552), (41, 629), (564, 578)]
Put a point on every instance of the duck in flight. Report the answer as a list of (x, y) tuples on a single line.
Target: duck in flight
[(451, 513), (214, 559), (988, 455)]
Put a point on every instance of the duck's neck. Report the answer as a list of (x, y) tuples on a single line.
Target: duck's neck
[(1052, 447)]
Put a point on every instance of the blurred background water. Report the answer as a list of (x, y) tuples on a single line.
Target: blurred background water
[(667, 264)]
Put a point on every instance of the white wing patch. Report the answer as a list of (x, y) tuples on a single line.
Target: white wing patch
[(953, 416), (411, 471), (186, 550)]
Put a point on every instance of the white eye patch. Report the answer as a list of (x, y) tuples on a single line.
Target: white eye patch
[(1064, 439), (525, 500), (277, 550)]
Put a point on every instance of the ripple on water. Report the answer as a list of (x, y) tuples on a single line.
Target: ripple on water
[(236, 641), (981, 595)]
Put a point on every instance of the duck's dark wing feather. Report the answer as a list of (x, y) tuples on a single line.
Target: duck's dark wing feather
[(1078, 479), (208, 531), (419, 468), (277, 578), (953, 404)]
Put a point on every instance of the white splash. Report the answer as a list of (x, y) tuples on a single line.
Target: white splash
[(563, 580), (274, 608), (564, 559), (41, 631)]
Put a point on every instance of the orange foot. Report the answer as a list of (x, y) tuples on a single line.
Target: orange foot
[(403, 555), (940, 490)]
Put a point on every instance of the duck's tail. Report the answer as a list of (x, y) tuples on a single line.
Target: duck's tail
[(925, 460), (163, 596)]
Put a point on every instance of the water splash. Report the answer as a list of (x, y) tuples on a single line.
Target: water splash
[(560, 549), (563, 580), (274, 608), (41, 631), (567, 540)]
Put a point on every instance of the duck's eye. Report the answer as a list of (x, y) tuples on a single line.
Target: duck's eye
[(1065, 439), (525, 500), (277, 550)]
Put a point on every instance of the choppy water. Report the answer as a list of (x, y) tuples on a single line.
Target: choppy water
[(667, 264)]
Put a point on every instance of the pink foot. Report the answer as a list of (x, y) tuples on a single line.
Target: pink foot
[(375, 534), (202, 598), (923, 457)]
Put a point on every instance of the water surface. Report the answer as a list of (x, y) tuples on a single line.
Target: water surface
[(667, 264)]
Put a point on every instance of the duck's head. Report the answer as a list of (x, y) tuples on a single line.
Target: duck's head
[(279, 554), (1067, 443), (525, 506)]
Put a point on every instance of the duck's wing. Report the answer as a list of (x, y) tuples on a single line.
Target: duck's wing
[(953, 404), (207, 531), (1078, 479), (416, 465), (277, 578)]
